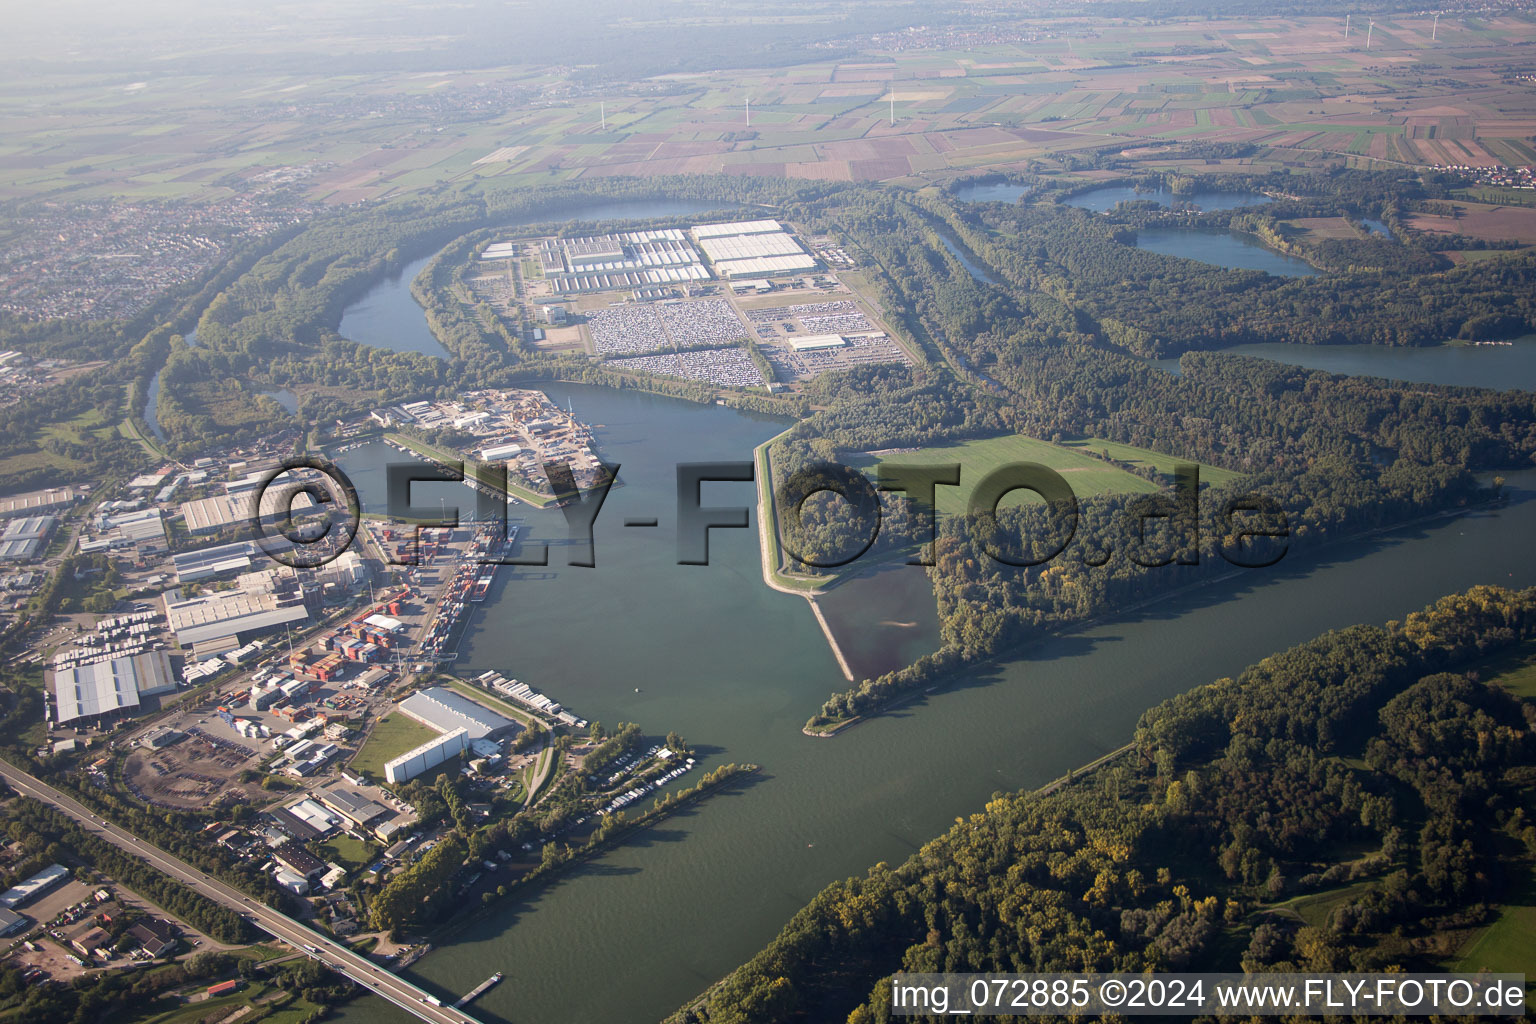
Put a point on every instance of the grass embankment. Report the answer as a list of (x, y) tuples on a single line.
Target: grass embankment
[(1076, 461), (392, 735), (480, 471), (768, 530)]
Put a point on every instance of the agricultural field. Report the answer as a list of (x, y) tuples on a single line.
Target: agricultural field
[(1296, 89), (1480, 220)]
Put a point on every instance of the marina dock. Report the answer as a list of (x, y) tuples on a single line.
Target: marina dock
[(478, 991)]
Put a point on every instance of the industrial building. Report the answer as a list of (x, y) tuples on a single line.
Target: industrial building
[(234, 613), (445, 710), (765, 266), (209, 515), (24, 892), (427, 756), (192, 566), (10, 922), (743, 227), (35, 503), (755, 249), (814, 342), (143, 531), (88, 692), (742, 247), (300, 861), (501, 452), (353, 806), (26, 537)]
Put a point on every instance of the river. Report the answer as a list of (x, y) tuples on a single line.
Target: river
[(737, 668), (152, 398)]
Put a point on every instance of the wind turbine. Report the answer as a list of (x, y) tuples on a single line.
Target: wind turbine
[(893, 108), (1346, 25), (749, 111), (1435, 30), (602, 112), (1368, 32)]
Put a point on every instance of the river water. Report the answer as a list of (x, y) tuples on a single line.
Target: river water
[(152, 397), (737, 668)]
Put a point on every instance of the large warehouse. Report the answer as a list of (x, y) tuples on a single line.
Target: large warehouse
[(445, 710), (25, 538), (754, 248), (110, 687), (231, 613), (209, 515), (38, 502), (427, 756)]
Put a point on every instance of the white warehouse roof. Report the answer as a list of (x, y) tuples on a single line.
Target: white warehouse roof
[(446, 710), (742, 227), (105, 687), (815, 341), (762, 265), (741, 247)]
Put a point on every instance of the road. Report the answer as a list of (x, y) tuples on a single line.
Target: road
[(333, 954)]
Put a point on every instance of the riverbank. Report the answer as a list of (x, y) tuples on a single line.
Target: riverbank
[(549, 873), (832, 729)]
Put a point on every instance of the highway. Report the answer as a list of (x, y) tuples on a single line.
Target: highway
[(329, 952)]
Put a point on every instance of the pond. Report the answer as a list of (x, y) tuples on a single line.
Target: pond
[(991, 192)]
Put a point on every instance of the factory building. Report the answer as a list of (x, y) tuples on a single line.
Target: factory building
[(742, 227), (209, 515), (26, 537), (427, 756), (817, 342), (445, 710), (235, 613), (90, 692), (353, 806), (35, 503), (25, 892), (765, 266)]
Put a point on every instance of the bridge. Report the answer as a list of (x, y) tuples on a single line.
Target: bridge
[(337, 957)]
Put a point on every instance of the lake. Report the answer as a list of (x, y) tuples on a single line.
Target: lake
[(736, 668), (285, 398), (1102, 200), (1502, 367), (991, 192), (1231, 249)]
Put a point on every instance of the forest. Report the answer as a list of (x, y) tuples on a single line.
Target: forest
[(1368, 773), (1337, 455)]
